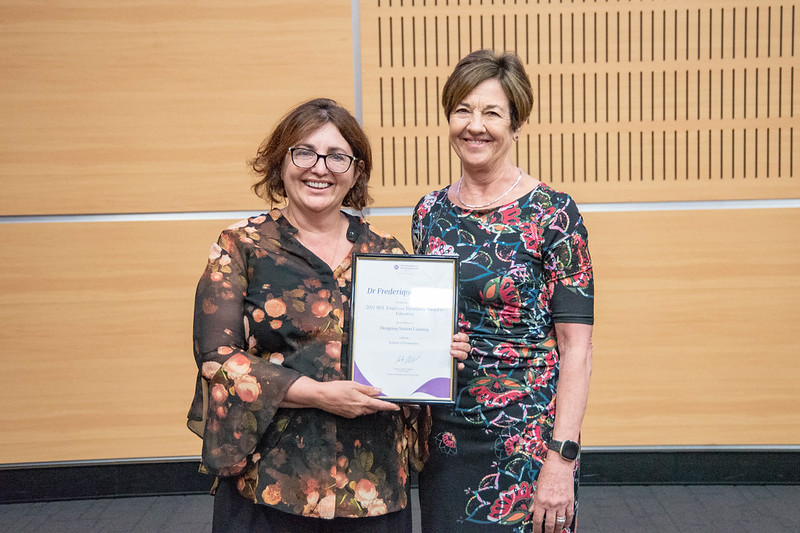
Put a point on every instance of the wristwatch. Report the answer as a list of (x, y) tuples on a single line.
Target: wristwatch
[(567, 449)]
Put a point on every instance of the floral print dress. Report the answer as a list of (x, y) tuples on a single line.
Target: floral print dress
[(268, 311), (523, 267)]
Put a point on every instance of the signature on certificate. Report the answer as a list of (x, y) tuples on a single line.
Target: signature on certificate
[(407, 359)]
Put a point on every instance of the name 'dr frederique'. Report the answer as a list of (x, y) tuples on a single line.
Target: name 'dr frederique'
[(388, 292)]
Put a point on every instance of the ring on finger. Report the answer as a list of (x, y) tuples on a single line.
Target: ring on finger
[(561, 519)]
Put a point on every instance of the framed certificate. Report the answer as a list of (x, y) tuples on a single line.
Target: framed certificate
[(403, 317)]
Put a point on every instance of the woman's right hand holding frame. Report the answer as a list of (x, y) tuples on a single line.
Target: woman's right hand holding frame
[(343, 398)]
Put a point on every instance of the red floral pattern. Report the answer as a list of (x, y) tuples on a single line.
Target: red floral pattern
[(524, 266)]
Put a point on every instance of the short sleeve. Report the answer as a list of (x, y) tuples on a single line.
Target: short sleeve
[(568, 264)]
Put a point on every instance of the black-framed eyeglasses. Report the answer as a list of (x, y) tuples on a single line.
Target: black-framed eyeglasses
[(336, 163)]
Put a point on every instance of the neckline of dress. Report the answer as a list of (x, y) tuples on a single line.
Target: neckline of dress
[(350, 234), (513, 201)]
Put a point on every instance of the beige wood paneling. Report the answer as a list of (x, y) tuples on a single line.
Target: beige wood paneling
[(694, 334), (694, 338), (634, 101), (113, 106), (146, 107), (694, 341), (96, 338)]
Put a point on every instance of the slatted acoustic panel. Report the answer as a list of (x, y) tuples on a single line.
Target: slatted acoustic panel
[(634, 100)]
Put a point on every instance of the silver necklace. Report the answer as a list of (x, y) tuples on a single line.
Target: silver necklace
[(458, 193)]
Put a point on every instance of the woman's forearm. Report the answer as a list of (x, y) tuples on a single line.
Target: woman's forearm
[(301, 393), (575, 370)]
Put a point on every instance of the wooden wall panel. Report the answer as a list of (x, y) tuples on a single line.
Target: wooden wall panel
[(692, 340), (694, 337), (634, 100), (149, 107), (155, 106), (96, 338)]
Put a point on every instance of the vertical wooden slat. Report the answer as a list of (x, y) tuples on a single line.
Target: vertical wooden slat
[(627, 95)]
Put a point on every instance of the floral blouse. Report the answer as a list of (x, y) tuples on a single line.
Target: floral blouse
[(268, 311)]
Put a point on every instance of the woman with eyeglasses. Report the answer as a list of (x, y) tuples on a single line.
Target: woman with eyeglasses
[(294, 445)]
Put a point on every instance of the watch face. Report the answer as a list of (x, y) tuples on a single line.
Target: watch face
[(570, 450)]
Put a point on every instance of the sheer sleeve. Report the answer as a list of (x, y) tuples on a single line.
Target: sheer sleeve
[(243, 390), (417, 238)]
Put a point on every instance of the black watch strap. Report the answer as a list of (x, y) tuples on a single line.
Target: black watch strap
[(568, 449)]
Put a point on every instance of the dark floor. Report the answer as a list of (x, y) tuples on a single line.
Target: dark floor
[(618, 509)]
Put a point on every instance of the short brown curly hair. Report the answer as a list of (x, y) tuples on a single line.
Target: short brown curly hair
[(298, 124)]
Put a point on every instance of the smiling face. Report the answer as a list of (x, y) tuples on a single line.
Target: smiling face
[(480, 128), (317, 189)]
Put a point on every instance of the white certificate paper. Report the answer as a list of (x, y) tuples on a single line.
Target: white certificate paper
[(403, 316)]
